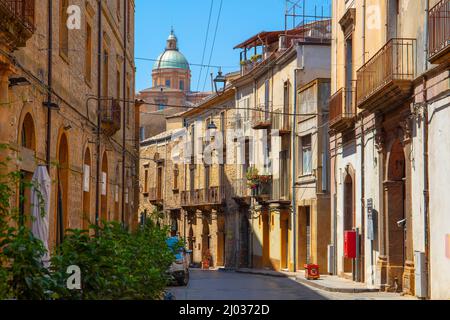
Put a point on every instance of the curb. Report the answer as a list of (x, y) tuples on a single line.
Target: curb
[(262, 273), (312, 283), (315, 284)]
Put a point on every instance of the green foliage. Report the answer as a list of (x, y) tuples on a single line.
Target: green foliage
[(22, 274), (115, 264)]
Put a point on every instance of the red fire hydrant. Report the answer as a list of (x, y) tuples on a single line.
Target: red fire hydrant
[(312, 271)]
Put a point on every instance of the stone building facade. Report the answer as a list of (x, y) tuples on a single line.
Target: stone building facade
[(268, 100), (194, 196), (384, 122), (52, 99)]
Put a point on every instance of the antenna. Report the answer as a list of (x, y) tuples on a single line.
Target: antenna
[(298, 14)]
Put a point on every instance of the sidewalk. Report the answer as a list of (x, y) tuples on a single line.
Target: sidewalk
[(326, 282)]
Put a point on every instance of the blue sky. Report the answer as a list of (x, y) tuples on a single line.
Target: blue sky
[(239, 20)]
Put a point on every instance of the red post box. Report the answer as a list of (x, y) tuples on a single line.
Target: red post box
[(312, 271), (350, 244)]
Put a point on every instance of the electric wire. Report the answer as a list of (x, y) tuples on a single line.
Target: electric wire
[(214, 42), (204, 45)]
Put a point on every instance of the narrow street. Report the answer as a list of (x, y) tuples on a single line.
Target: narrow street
[(221, 285)]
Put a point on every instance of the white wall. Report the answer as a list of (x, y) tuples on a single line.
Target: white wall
[(439, 177)]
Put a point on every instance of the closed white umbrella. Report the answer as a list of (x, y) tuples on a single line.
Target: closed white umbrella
[(40, 206)]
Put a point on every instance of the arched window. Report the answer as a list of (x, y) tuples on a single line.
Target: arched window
[(27, 141), (27, 137)]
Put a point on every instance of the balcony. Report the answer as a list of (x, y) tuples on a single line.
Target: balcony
[(241, 192), (386, 80), (155, 196), (110, 117), (281, 122), (202, 198), (261, 118), (16, 22), (343, 109), (439, 32)]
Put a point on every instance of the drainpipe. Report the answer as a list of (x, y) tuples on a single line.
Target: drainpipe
[(426, 196), (99, 104), (49, 83), (294, 174), (126, 103), (361, 249)]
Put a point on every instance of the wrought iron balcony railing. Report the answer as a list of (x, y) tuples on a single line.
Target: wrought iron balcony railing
[(111, 117), (16, 22), (439, 32), (280, 121), (342, 109), (202, 197), (261, 116), (388, 75), (155, 195)]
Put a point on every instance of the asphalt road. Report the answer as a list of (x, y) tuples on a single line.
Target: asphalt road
[(221, 285)]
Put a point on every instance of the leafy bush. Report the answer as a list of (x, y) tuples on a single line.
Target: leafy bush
[(22, 275), (115, 264)]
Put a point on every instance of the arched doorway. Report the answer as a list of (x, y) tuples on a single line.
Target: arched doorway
[(349, 214), (62, 188), (87, 219), (28, 149), (191, 238), (244, 241), (104, 189), (206, 239), (396, 222), (265, 216), (221, 240)]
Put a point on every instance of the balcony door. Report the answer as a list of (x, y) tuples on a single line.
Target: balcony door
[(348, 74), (159, 183)]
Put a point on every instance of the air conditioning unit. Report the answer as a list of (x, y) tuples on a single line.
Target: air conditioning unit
[(331, 258)]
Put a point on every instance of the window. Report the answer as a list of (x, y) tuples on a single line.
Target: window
[(88, 54), (167, 83), (176, 174), (63, 30), (181, 85), (105, 73), (146, 181), (306, 155), (118, 85), (128, 93)]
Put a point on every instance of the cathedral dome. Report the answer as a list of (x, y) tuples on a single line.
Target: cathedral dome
[(171, 58)]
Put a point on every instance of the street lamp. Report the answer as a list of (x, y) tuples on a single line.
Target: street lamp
[(220, 83), (212, 126)]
